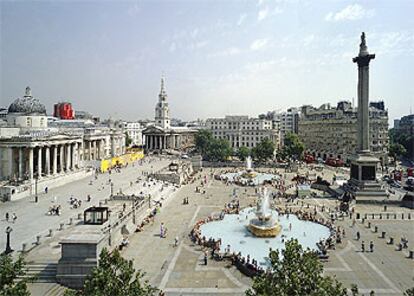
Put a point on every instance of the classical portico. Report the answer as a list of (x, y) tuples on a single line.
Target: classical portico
[(162, 136)]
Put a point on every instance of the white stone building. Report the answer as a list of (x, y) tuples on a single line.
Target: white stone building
[(52, 155), (134, 131), (162, 136), (284, 121), (331, 132), (242, 131)]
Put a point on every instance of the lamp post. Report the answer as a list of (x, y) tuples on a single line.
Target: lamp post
[(8, 248), (112, 189), (149, 201), (36, 196)]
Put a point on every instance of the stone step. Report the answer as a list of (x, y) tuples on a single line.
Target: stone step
[(41, 272), (56, 290)]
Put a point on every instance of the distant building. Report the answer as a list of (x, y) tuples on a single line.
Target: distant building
[(63, 110), (284, 121), (406, 126), (134, 132), (330, 132), (162, 135), (242, 131)]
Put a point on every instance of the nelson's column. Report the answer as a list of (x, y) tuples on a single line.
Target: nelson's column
[(364, 164)]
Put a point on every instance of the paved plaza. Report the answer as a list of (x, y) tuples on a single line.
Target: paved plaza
[(179, 270)]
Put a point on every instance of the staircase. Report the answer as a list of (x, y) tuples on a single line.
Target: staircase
[(42, 272)]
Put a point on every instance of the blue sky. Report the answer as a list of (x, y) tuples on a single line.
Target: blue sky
[(219, 57)]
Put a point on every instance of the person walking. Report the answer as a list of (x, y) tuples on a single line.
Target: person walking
[(371, 246), (7, 217), (14, 217), (176, 241), (205, 257), (362, 246), (358, 235)]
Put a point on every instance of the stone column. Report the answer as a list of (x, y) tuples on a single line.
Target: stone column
[(21, 163), (47, 155), (55, 150), (62, 159), (363, 59), (30, 164), (11, 160), (39, 162), (89, 150), (94, 151), (68, 157)]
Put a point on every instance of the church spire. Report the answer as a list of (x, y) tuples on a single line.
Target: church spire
[(163, 93)]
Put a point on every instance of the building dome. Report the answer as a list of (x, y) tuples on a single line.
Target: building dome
[(27, 105)]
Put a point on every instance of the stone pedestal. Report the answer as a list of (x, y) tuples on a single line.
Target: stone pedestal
[(363, 179)]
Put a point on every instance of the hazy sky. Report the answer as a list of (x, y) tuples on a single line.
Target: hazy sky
[(219, 57)]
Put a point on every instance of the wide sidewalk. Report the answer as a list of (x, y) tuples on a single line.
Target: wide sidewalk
[(32, 219)]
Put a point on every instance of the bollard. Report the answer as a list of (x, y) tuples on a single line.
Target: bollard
[(383, 234), (369, 224), (388, 216), (376, 229), (61, 226), (24, 247), (411, 255), (391, 242), (402, 216), (37, 240), (366, 216), (50, 232), (373, 216), (70, 221), (395, 216), (79, 216), (380, 216), (409, 216), (362, 220), (358, 216)]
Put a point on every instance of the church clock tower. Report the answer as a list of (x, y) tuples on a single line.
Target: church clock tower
[(162, 116)]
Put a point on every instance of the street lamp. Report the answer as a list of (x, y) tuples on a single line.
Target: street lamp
[(8, 248), (36, 196), (149, 201), (112, 188)]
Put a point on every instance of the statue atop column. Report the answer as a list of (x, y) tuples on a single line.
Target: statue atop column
[(28, 92)]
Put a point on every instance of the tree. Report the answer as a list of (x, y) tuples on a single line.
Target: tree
[(128, 140), (203, 140), (243, 152), (297, 272), (409, 292), (219, 150), (264, 150), (114, 276), (396, 150), (293, 146), (9, 272)]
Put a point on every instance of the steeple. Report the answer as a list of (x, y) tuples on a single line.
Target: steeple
[(162, 117), (163, 94)]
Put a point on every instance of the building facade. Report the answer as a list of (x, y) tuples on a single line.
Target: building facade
[(134, 132), (284, 121), (331, 132), (31, 149), (242, 131), (162, 135)]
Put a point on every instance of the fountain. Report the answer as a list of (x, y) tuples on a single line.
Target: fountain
[(249, 173), (264, 225)]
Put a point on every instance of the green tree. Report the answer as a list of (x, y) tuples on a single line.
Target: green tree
[(296, 272), (243, 152), (396, 150), (9, 271), (264, 150), (128, 140), (114, 276), (219, 150), (409, 292), (293, 146), (203, 140)]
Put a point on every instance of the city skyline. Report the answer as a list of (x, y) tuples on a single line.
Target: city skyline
[(272, 53)]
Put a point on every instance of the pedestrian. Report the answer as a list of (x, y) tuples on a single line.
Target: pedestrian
[(358, 236), (46, 190), (14, 217), (7, 217), (362, 246), (205, 257), (371, 246), (176, 241)]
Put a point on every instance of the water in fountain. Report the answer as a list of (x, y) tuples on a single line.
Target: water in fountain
[(248, 163), (264, 225)]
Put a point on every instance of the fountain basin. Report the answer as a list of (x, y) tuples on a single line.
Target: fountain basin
[(263, 230)]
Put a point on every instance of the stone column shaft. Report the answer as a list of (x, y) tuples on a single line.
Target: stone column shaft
[(61, 158), (39, 162), (47, 160), (21, 164), (30, 163), (55, 151)]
